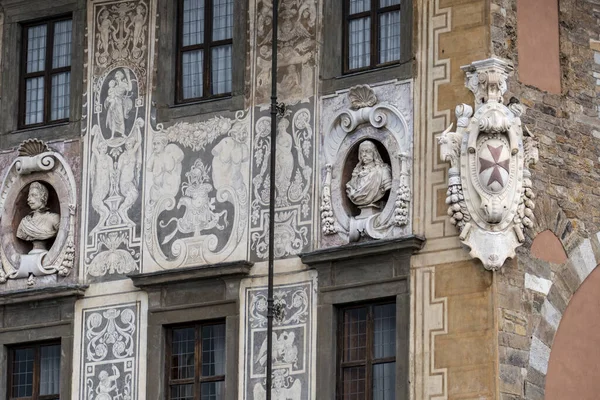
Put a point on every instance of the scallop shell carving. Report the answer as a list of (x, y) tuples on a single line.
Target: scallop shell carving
[(32, 147), (362, 96)]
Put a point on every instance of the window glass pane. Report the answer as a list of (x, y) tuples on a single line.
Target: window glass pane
[(213, 350), (49, 369), (182, 353), (60, 96), (191, 76), (213, 391), (359, 43), (222, 19), (34, 100), (36, 48), (61, 50), (354, 383), (357, 6), (384, 332), (384, 382), (22, 373), (221, 69), (389, 37), (193, 22), (355, 334), (386, 3), (182, 392)]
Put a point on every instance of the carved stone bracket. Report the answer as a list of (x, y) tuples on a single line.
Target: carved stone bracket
[(38, 165), (489, 184)]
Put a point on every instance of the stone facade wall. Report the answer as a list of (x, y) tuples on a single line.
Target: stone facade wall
[(469, 328), (533, 293)]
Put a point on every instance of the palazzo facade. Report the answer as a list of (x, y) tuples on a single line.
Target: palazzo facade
[(436, 199)]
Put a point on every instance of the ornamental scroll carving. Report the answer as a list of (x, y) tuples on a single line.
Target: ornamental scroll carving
[(37, 225), (489, 194), (366, 190)]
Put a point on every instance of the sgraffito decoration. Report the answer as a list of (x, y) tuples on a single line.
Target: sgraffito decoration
[(196, 208), (292, 342), (296, 48), (490, 197), (109, 353), (38, 199), (294, 179), (366, 159), (116, 124)]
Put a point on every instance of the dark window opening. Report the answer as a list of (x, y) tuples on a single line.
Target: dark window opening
[(367, 352), (196, 362), (34, 372), (371, 34), (204, 49), (45, 72)]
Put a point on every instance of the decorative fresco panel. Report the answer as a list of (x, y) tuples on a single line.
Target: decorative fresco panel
[(293, 342), (296, 49), (294, 183), (196, 208), (116, 123), (110, 339)]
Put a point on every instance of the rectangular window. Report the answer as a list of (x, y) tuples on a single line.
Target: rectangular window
[(371, 33), (46, 72), (196, 362), (367, 359), (204, 49), (34, 372)]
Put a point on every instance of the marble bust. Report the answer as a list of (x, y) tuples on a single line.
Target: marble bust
[(371, 179), (40, 224)]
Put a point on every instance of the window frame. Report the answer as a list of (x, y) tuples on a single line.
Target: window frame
[(369, 360), (47, 73), (206, 46), (198, 380), (36, 369), (333, 76), (373, 13)]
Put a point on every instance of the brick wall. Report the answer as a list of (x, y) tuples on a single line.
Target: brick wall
[(567, 126)]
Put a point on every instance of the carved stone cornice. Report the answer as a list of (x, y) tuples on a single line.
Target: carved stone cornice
[(407, 245), (42, 294), (226, 270)]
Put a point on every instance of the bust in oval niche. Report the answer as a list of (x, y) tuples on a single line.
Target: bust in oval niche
[(40, 225), (370, 181)]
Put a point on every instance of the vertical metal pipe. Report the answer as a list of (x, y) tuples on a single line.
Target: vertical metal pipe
[(270, 310)]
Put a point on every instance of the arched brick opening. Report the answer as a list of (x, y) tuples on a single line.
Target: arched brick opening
[(581, 262), (554, 284), (573, 365)]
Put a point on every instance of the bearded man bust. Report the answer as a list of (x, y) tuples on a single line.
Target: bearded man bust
[(41, 224)]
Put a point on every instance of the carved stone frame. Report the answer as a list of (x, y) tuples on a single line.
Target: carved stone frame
[(37, 162), (367, 118), (190, 295), (15, 15), (362, 272), (39, 315)]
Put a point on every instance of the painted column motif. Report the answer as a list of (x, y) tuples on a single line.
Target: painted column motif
[(109, 353), (296, 153), (293, 342), (117, 115)]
